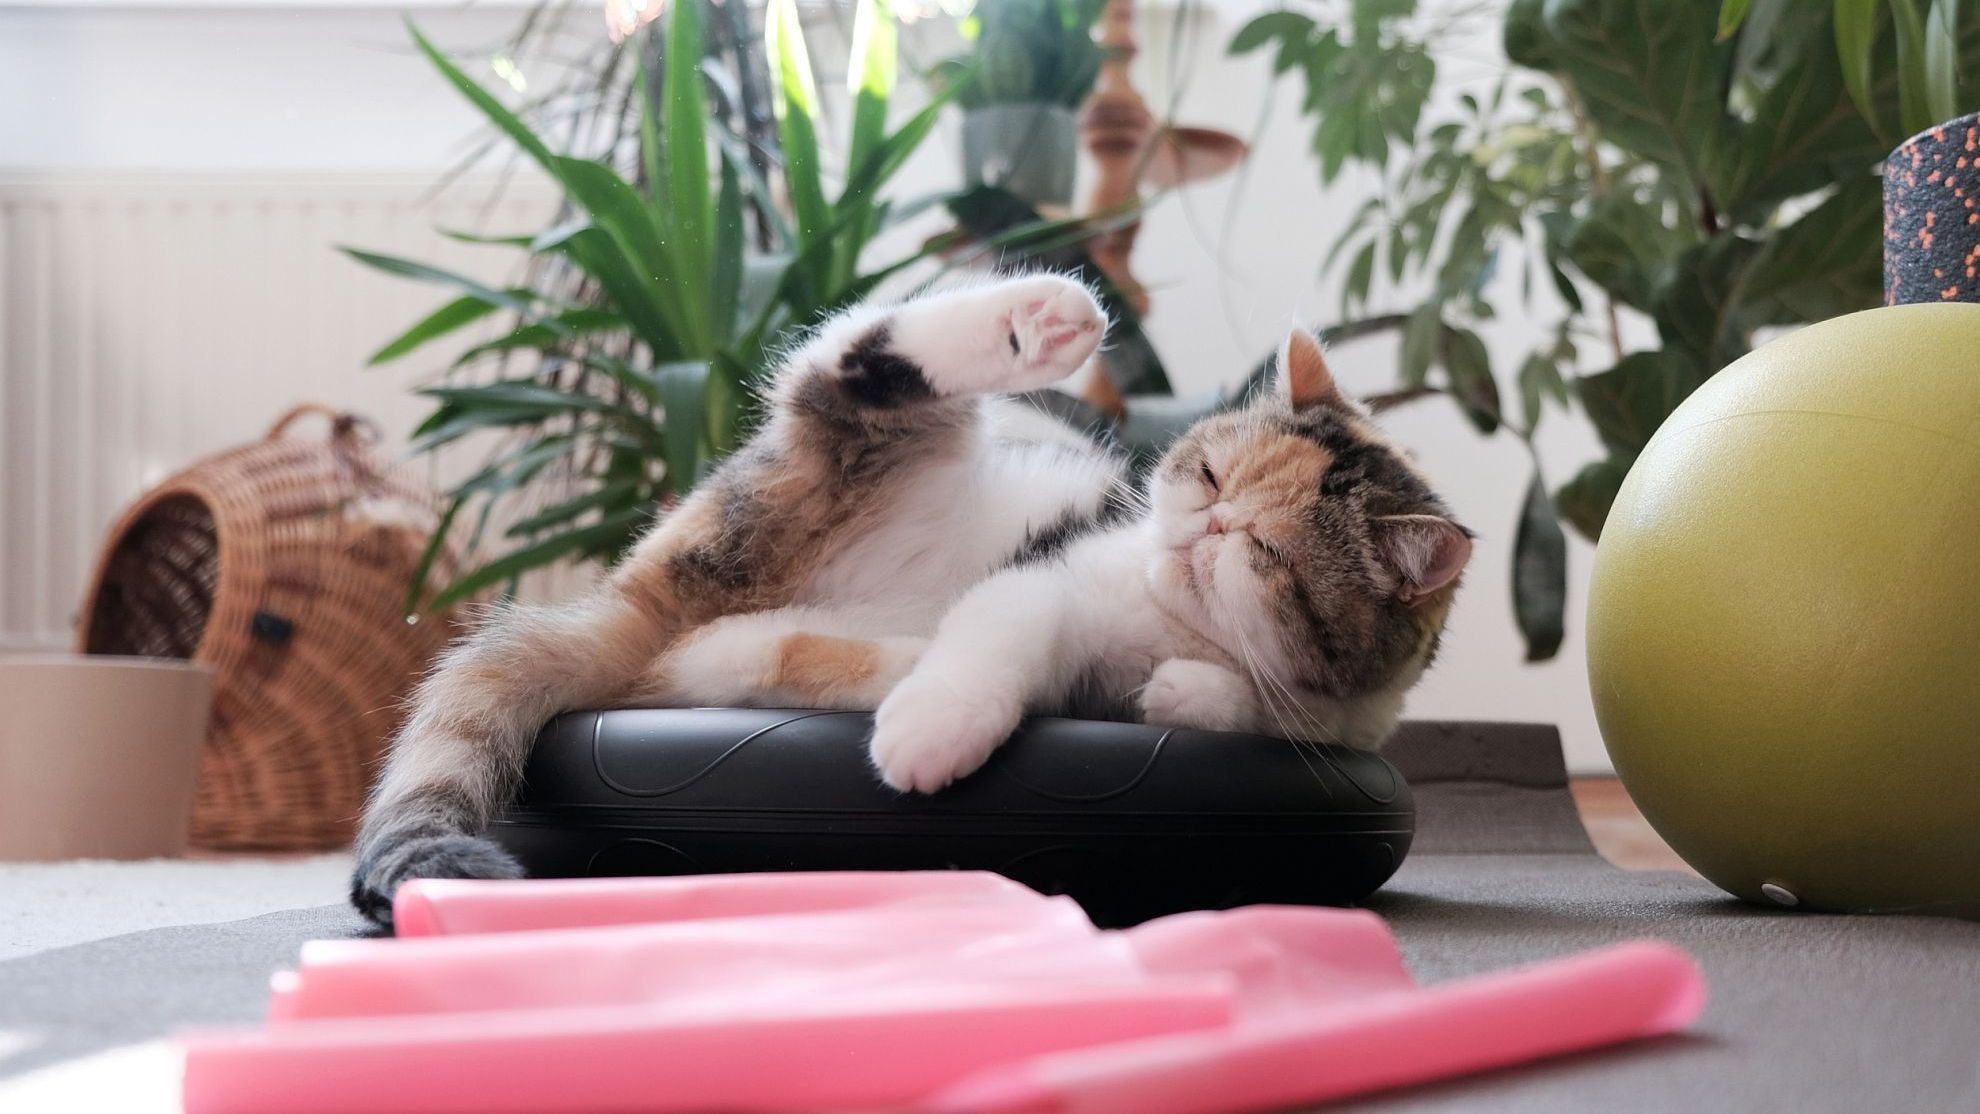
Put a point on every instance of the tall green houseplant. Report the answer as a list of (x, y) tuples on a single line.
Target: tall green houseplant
[(1717, 178), (626, 394)]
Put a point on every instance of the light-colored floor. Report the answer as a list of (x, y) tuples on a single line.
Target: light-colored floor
[(45, 905), (48, 905)]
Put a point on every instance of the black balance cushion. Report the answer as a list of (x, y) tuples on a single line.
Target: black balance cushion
[(1131, 821)]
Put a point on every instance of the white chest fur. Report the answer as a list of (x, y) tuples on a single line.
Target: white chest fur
[(960, 520)]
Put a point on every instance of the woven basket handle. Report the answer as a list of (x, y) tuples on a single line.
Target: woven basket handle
[(344, 425)]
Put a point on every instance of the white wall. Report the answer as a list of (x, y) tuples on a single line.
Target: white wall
[(334, 90)]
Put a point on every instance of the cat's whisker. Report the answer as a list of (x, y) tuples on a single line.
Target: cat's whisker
[(1276, 694), (1271, 705)]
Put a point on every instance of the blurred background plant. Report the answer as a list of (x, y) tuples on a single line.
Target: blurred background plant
[(706, 217), (646, 314), (1029, 66), (1027, 52), (1716, 176), (1644, 191)]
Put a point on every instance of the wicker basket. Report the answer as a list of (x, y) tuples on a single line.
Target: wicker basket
[(284, 566)]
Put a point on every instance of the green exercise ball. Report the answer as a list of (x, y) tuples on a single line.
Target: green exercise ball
[(1784, 624)]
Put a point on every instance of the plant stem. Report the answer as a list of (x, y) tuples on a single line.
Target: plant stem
[(1708, 213)]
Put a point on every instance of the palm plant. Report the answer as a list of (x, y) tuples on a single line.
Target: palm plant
[(643, 371)]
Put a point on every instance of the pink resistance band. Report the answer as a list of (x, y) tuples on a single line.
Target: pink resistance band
[(941, 992)]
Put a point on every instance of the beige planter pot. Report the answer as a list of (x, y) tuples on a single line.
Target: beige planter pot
[(99, 755)]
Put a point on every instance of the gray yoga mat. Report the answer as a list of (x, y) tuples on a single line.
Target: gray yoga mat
[(1809, 1012)]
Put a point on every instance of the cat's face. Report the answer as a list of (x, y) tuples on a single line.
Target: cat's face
[(1313, 545)]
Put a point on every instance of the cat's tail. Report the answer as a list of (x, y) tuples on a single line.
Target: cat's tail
[(459, 756)]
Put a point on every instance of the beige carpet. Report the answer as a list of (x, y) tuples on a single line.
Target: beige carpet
[(52, 905)]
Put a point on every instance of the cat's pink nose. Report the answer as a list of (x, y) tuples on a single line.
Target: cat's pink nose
[(1216, 524)]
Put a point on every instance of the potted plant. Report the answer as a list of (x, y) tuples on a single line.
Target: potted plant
[(648, 316), (1031, 66), (1715, 172)]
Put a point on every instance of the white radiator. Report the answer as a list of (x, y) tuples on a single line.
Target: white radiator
[(146, 322)]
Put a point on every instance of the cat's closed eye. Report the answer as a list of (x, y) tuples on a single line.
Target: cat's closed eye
[(1210, 477)]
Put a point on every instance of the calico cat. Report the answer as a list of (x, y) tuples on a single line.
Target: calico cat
[(895, 537)]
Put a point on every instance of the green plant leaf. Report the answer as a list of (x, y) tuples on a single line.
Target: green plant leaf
[(1804, 133), (539, 554), (1585, 500), (645, 266), (481, 238), (627, 289), (1539, 379), (1914, 88), (449, 424), (684, 394), (1731, 12), (421, 272), (494, 110), (652, 146), (1564, 286), (457, 314), (1702, 308), (1942, 60), (1856, 45), (1630, 400), (1619, 246), (1652, 76), (797, 110), (615, 494), (516, 394), (881, 164), (557, 235), (870, 77), (1281, 26), (430, 556), (689, 207), (1421, 339), (1827, 263), (1360, 273), (644, 273), (549, 335), (1525, 37), (1539, 574), (870, 73), (1470, 369)]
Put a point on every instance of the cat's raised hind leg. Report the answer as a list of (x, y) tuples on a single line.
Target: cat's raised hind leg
[(861, 408)]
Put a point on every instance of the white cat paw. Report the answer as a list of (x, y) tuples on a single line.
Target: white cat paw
[(1185, 693), (929, 732), (1055, 325)]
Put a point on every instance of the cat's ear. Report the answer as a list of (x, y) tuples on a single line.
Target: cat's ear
[(1303, 376), (1426, 552)]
